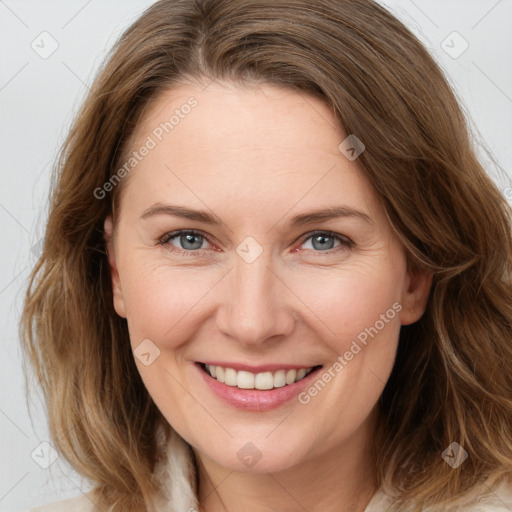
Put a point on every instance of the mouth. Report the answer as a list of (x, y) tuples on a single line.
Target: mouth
[(262, 380)]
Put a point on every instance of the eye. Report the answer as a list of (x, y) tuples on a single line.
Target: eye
[(325, 241), (184, 241), (189, 242)]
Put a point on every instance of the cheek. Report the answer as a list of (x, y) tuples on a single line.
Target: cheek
[(362, 308), (160, 300), (350, 301)]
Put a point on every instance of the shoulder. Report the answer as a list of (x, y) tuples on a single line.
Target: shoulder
[(81, 503), (497, 500)]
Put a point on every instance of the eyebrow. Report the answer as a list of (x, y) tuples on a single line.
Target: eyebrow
[(301, 219)]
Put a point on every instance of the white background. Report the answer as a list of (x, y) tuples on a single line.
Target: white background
[(38, 98)]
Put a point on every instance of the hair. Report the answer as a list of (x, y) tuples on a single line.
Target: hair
[(452, 379)]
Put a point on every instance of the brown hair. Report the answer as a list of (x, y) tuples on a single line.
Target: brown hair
[(452, 380)]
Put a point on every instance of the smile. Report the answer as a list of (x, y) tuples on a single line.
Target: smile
[(243, 379), (256, 388)]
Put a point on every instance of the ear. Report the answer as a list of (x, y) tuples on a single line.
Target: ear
[(415, 294), (117, 291)]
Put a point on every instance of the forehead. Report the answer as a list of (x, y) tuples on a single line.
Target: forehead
[(254, 140), (234, 116)]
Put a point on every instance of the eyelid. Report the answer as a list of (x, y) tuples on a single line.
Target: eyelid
[(171, 234)]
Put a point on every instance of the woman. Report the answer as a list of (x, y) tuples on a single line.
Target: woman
[(275, 276)]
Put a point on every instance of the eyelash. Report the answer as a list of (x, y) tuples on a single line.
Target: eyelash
[(346, 243)]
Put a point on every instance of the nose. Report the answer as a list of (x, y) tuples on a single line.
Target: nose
[(257, 306)]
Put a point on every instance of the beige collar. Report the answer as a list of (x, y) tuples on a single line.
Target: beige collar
[(177, 474)]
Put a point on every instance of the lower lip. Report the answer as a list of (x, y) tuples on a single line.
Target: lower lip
[(255, 399)]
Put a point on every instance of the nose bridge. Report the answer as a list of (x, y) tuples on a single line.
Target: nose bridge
[(257, 307)]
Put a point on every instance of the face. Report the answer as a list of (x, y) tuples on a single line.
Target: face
[(222, 264)]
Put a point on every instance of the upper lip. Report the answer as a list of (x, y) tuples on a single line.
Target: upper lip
[(257, 368)]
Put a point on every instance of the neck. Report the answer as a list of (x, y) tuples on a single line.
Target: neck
[(344, 481)]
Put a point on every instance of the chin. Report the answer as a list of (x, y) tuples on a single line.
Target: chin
[(258, 456)]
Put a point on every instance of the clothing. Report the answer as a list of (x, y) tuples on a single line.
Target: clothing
[(178, 477)]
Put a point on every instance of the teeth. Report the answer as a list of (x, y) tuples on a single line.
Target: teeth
[(245, 380), (291, 375), (262, 381), (279, 379), (230, 377)]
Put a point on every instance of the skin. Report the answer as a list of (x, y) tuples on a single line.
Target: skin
[(255, 156)]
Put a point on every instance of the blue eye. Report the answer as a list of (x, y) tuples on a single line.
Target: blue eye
[(323, 241), (189, 241)]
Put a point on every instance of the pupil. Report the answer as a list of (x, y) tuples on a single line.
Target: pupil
[(321, 239), (189, 239)]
